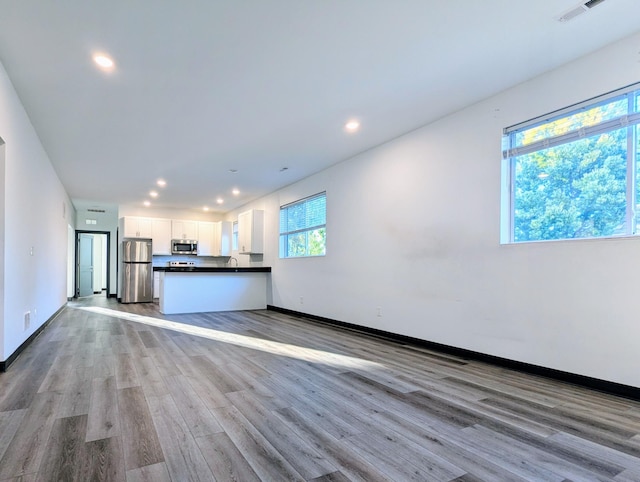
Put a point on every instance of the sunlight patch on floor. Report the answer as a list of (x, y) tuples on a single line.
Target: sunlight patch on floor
[(268, 346)]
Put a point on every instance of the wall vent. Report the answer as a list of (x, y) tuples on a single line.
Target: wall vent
[(593, 3), (579, 9), (96, 210)]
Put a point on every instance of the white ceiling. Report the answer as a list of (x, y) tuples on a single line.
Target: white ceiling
[(205, 86)]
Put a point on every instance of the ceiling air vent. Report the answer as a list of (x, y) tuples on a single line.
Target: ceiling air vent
[(592, 3), (91, 210), (579, 9)]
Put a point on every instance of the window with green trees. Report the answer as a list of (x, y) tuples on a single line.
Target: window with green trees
[(303, 229), (573, 173)]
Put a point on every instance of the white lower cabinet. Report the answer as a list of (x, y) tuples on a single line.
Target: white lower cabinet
[(156, 284)]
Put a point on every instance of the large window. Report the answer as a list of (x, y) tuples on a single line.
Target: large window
[(303, 227), (573, 173)]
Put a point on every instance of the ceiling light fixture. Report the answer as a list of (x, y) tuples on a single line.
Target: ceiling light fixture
[(219, 200), (147, 203), (103, 61), (161, 182), (352, 126), (206, 208), (235, 192), (153, 193)]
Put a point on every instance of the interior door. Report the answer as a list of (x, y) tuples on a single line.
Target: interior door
[(85, 265)]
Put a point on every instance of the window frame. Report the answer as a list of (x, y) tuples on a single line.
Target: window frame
[(234, 235), (510, 153), (283, 252)]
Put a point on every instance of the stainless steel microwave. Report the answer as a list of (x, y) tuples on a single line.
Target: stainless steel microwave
[(184, 246)]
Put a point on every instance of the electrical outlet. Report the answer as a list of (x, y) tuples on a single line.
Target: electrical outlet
[(301, 300), (378, 311), (27, 320)]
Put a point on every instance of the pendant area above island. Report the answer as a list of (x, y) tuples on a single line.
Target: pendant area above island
[(204, 289)]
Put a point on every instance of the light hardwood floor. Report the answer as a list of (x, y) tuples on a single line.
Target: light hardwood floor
[(107, 393)]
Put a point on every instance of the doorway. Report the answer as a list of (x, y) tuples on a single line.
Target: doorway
[(92, 263)]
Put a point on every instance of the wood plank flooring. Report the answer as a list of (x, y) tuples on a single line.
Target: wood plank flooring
[(122, 393)]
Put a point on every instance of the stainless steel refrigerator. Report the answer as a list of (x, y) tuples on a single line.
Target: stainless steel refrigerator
[(137, 270)]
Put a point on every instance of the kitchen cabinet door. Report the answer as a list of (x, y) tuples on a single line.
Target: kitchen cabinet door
[(161, 236), (129, 227), (206, 239), (184, 229), (156, 284), (251, 232), (134, 227), (214, 239), (226, 228)]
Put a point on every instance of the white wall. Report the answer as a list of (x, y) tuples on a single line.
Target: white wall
[(103, 278), (166, 213), (105, 222), (71, 265), (37, 211), (2, 235), (413, 227)]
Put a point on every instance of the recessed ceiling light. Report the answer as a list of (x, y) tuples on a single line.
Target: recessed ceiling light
[(161, 182), (235, 192), (103, 61), (352, 126), (153, 193), (147, 203), (206, 208), (219, 200)]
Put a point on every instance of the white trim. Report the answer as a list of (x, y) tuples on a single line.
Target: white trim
[(589, 103)]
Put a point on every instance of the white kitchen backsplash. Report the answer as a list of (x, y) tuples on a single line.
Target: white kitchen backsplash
[(199, 260)]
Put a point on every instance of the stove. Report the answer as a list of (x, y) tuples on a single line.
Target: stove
[(182, 264)]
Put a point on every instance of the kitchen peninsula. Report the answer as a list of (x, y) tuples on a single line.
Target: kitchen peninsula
[(196, 289)]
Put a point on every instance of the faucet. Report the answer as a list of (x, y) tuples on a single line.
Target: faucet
[(234, 259)]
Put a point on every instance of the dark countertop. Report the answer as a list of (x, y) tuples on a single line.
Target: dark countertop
[(212, 269)]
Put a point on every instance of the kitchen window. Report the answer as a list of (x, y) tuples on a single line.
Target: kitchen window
[(303, 227), (574, 173), (234, 236)]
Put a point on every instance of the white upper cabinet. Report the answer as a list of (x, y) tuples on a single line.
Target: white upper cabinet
[(161, 236), (159, 230), (184, 229), (134, 227), (214, 239), (226, 228), (251, 232), (206, 238)]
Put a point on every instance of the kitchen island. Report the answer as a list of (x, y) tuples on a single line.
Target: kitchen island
[(196, 289)]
